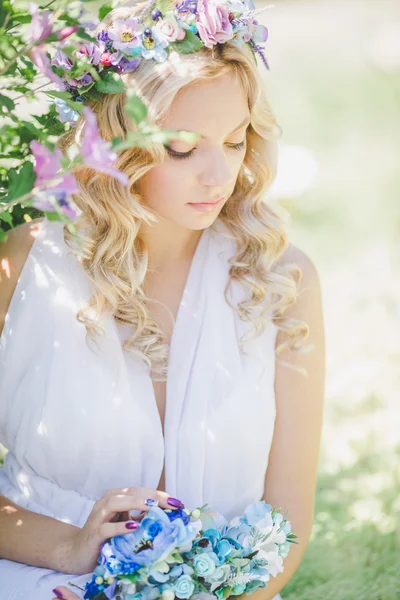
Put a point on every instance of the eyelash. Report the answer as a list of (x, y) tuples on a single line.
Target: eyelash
[(183, 155)]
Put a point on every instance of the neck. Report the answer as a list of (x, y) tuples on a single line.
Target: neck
[(168, 244)]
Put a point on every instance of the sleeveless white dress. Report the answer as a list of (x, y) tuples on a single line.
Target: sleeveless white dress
[(78, 421)]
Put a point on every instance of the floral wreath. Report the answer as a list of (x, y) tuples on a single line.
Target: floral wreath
[(184, 26)]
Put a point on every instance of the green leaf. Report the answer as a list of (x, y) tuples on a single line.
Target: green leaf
[(191, 43), (132, 578), (22, 89), (162, 566), (223, 592), (52, 216), (3, 235), (28, 63), (81, 33), (78, 106), (85, 88), (20, 182), (57, 94), (165, 6), (136, 109), (5, 216), (22, 18), (240, 562), (6, 10), (104, 10), (110, 83), (7, 103)]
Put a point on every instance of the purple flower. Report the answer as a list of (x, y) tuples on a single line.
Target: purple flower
[(60, 59), (186, 6), (126, 66), (212, 21), (41, 24), (39, 57), (125, 34), (67, 31), (47, 165), (60, 194), (103, 36), (97, 152), (91, 52)]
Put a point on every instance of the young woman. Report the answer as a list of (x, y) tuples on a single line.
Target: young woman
[(158, 355)]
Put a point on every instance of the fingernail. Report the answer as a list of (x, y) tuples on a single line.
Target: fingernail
[(131, 525), (58, 594), (175, 502)]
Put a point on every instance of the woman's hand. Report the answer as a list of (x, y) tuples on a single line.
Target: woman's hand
[(110, 517)]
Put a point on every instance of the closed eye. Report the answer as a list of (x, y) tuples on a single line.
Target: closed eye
[(183, 155)]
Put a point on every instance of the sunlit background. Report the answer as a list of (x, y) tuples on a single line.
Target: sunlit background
[(334, 84)]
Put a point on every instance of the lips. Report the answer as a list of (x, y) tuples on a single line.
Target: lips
[(215, 201)]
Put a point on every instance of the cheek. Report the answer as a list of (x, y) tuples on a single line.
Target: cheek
[(165, 186)]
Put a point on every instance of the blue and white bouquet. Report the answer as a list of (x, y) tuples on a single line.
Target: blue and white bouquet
[(198, 554)]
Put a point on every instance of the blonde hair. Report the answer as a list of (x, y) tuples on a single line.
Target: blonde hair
[(108, 243)]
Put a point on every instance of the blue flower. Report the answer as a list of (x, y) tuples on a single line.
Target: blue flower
[(179, 513), (224, 549), (204, 564), (92, 589), (184, 587), (155, 538), (154, 47), (238, 535), (256, 511), (66, 114)]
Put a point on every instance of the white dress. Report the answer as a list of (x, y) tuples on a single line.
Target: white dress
[(77, 421)]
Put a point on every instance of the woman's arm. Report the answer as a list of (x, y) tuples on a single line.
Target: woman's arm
[(34, 539), (291, 476)]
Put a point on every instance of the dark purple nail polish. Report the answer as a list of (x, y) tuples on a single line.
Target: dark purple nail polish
[(175, 502), (131, 525), (58, 594)]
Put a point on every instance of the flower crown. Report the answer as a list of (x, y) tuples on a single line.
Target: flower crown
[(184, 26)]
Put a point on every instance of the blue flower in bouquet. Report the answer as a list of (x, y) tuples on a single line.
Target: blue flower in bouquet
[(220, 575), (155, 538), (92, 589), (184, 587), (212, 519), (256, 513), (178, 513), (238, 536), (204, 565), (225, 549), (212, 536)]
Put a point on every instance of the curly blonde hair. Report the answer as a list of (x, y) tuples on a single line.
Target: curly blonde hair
[(108, 244)]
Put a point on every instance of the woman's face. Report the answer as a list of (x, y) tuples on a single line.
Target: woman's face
[(207, 169)]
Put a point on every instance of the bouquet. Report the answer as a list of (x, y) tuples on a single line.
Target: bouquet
[(198, 554)]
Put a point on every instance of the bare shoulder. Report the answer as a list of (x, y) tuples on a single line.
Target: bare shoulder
[(294, 255), (308, 303), (13, 254)]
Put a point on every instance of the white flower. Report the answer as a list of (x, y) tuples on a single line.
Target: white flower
[(170, 30)]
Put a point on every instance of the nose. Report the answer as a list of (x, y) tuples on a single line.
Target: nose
[(216, 172)]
